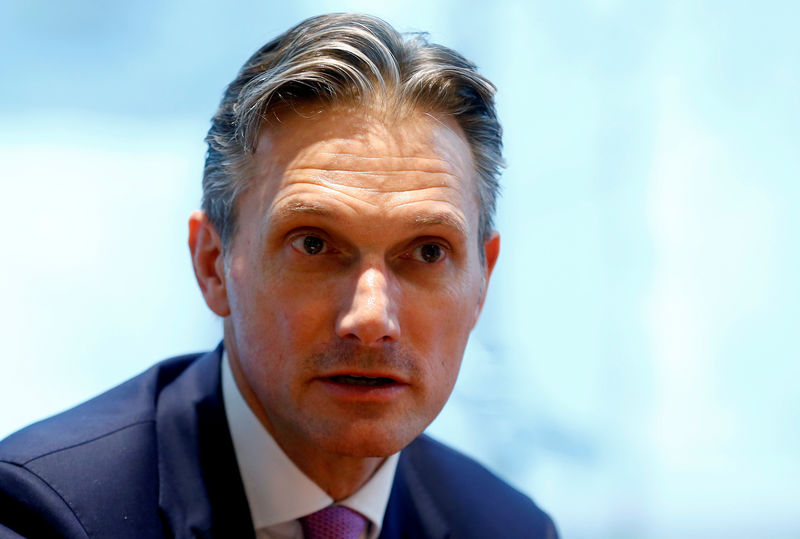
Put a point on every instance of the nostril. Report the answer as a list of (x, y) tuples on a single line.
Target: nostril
[(368, 326), (351, 337), (376, 331)]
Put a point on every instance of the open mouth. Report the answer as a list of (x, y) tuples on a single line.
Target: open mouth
[(352, 380)]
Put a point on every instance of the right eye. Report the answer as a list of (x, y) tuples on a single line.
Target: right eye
[(310, 244)]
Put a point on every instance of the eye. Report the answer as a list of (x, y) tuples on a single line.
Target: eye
[(310, 244), (428, 253)]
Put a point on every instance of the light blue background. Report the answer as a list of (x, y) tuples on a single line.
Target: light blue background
[(636, 368)]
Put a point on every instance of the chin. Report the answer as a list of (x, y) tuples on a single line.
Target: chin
[(358, 441)]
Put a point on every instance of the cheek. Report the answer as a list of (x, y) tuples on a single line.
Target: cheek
[(285, 320), (439, 333), (455, 326), (460, 307)]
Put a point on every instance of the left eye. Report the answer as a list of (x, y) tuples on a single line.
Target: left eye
[(310, 244), (428, 253)]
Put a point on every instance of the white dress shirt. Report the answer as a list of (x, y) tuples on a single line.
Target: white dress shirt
[(278, 493)]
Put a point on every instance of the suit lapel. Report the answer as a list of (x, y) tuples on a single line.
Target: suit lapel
[(412, 511), (201, 493)]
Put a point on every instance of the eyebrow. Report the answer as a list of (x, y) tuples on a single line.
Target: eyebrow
[(440, 218), (422, 219), (303, 208)]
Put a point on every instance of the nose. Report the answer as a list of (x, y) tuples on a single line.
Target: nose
[(369, 314)]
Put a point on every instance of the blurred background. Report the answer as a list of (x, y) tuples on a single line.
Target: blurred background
[(636, 367)]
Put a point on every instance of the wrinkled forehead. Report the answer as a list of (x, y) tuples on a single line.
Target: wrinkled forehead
[(370, 118), (365, 138)]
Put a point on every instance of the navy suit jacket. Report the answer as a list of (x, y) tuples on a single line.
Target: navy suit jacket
[(153, 457)]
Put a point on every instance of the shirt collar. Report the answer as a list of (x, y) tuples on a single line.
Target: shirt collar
[(277, 491)]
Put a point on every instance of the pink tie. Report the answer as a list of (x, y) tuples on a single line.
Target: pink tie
[(333, 522)]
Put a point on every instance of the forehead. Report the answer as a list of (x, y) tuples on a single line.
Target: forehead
[(372, 159)]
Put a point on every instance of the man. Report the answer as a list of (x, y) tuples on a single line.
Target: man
[(346, 241)]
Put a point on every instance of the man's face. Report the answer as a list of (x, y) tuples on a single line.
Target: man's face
[(354, 278)]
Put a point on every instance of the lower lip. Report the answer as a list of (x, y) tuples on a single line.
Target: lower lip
[(356, 393)]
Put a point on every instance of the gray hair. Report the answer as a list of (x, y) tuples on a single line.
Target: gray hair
[(346, 58)]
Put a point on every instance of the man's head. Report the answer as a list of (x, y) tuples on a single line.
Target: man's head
[(347, 238), (347, 59)]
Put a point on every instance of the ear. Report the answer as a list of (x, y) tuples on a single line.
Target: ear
[(205, 246), (491, 250)]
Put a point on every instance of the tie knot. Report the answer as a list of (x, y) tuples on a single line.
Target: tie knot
[(333, 522)]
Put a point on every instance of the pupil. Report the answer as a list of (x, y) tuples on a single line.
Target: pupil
[(312, 245), (431, 252)]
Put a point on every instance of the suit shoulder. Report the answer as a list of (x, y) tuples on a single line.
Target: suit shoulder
[(472, 499), (92, 469), (29, 507), (123, 407)]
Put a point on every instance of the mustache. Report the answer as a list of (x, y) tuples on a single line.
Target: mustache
[(349, 354)]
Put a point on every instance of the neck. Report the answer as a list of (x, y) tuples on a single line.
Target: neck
[(340, 477)]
